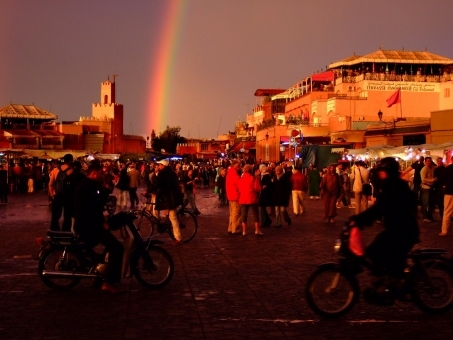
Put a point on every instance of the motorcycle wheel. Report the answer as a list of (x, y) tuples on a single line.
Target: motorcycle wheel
[(330, 292), (433, 289), (188, 224), (58, 260), (155, 268)]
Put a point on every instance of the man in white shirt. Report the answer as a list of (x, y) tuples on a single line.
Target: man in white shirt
[(360, 176)]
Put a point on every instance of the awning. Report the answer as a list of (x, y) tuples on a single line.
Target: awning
[(323, 76), (242, 145), (54, 154), (49, 133), (19, 133), (397, 130)]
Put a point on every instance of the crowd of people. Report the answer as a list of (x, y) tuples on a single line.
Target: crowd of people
[(78, 192)]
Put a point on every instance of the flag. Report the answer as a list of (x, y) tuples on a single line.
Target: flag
[(394, 99)]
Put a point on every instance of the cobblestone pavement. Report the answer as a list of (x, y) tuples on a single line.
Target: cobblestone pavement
[(224, 287)]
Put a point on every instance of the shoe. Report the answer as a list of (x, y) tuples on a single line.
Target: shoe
[(177, 242), (244, 233), (259, 233), (196, 213), (296, 214), (351, 206), (289, 222), (230, 233), (332, 220), (443, 234), (337, 206), (111, 288), (426, 220)]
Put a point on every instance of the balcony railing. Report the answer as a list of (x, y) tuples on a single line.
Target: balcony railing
[(270, 123), (394, 77)]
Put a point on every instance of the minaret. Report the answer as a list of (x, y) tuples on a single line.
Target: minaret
[(108, 91)]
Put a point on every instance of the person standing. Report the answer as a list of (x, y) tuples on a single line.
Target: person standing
[(417, 166), (169, 196), (314, 179), (299, 187), (134, 182), (265, 197), (232, 192), (448, 199), (361, 176), (331, 189), (438, 187), (249, 188), (3, 185), (426, 190), (123, 188), (189, 196), (58, 184), (281, 195), (221, 186)]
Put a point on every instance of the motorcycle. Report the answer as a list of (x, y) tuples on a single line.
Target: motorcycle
[(65, 259), (333, 288)]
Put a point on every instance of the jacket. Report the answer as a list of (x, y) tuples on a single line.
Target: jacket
[(299, 181), (266, 199), (168, 193), (134, 176), (232, 183), (249, 188), (89, 201), (281, 190), (396, 205)]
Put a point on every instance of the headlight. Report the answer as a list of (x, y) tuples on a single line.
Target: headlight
[(337, 245)]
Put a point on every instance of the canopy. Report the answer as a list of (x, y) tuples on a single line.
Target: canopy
[(381, 151), (323, 76)]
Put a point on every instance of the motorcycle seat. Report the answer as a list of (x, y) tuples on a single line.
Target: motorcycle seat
[(60, 234)]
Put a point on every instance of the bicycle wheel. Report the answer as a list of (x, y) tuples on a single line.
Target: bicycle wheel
[(58, 260), (188, 224), (155, 268), (330, 293), (145, 223), (433, 293)]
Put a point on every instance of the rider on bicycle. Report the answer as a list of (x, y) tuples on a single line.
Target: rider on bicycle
[(396, 207)]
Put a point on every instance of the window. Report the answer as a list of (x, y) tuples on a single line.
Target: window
[(106, 99), (447, 93), (204, 146)]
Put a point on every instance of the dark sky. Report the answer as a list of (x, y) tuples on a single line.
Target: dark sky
[(216, 53)]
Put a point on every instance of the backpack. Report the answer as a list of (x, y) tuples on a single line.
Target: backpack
[(63, 181)]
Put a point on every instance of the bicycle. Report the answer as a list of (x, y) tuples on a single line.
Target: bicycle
[(147, 223)]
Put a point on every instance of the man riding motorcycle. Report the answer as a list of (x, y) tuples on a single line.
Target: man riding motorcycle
[(396, 207), (90, 198)]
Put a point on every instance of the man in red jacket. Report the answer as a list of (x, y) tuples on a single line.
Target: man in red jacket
[(232, 192), (299, 186)]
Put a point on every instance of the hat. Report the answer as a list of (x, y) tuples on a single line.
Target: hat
[(68, 158), (164, 162)]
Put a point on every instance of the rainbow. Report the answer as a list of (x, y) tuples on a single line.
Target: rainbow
[(161, 72)]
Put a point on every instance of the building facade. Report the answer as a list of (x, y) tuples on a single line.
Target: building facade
[(348, 104)]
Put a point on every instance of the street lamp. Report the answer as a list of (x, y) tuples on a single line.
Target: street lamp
[(267, 136)]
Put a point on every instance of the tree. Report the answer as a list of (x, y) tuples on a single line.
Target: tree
[(168, 139)]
